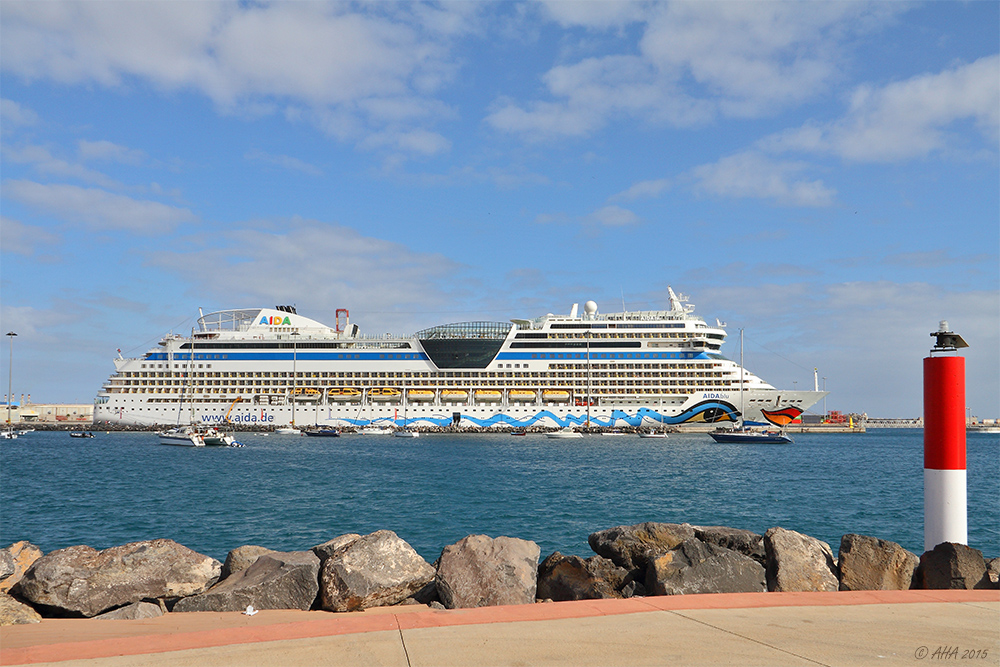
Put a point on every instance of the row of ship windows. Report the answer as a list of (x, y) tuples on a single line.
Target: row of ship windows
[(406, 375), (595, 391), (434, 381)]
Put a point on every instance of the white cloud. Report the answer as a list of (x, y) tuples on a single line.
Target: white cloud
[(906, 119), (754, 175), (613, 216), (696, 61), (283, 161), (326, 57), (21, 239), (643, 190), (97, 208), (597, 15), (329, 265), (14, 115), (42, 160), (106, 150)]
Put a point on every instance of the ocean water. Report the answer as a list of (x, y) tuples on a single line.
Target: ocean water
[(293, 492)]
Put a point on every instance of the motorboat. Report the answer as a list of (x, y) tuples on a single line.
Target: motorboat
[(406, 433), (565, 432), (81, 434), (323, 432), (652, 434), (375, 430), (749, 436), (288, 430)]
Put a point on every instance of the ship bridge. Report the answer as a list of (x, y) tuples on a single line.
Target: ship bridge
[(464, 344)]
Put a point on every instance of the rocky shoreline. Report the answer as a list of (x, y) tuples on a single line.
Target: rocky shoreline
[(352, 572)]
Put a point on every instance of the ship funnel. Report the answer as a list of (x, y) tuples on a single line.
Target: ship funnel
[(572, 312)]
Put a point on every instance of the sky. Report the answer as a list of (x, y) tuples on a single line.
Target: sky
[(823, 176)]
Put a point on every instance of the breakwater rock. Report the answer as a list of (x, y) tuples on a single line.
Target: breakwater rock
[(352, 572)]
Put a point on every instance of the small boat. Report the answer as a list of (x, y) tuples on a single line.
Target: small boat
[(375, 430), (288, 430), (652, 434), (488, 396), (419, 395), (384, 394), (521, 432), (747, 436), (743, 434), (182, 436), (8, 435), (344, 394), (215, 438), (613, 432), (324, 432), (565, 432), (81, 434), (454, 395), (521, 395), (555, 396), (406, 433), (306, 394)]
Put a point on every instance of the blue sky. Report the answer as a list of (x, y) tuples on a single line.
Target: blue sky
[(823, 175)]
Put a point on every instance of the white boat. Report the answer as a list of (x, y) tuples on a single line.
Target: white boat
[(652, 434), (565, 432), (406, 433), (244, 366), (288, 430), (375, 430), (8, 435), (182, 436)]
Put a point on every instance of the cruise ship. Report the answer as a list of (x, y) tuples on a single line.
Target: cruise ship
[(273, 367)]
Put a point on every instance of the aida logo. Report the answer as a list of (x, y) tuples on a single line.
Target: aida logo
[(275, 320)]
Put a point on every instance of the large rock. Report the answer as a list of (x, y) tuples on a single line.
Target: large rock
[(328, 548), (375, 570), (870, 564), (479, 571), (797, 562), (741, 541), (23, 553), (632, 547), (573, 578), (81, 581), (7, 567), (951, 565), (15, 612), (993, 571), (698, 567), (132, 612), (241, 558), (276, 580)]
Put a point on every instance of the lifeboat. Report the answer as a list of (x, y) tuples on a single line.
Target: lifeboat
[(488, 396), (454, 395), (344, 394), (521, 395), (555, 396), (419, 395), (306, 394), (384, 394)]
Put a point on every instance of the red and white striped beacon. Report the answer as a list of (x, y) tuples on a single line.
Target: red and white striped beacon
[(945, 504)]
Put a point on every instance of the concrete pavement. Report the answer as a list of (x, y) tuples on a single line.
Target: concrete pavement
[(845, 628)]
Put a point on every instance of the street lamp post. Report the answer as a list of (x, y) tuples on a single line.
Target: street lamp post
[(10, 374)]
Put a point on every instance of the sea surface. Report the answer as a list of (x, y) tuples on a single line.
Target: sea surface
[(293, 492)]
